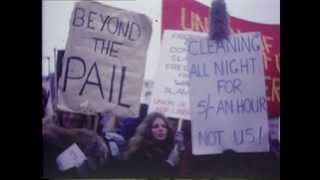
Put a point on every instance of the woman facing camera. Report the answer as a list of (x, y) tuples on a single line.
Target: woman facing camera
[(151, 150)]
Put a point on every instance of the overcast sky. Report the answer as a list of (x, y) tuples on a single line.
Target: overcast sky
[(56, 15)]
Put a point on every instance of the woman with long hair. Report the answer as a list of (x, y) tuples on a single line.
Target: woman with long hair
[(151, 150)]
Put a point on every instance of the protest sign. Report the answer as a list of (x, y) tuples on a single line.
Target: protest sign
[(190, 15), (170, 94), (227, 94), (104, 61)]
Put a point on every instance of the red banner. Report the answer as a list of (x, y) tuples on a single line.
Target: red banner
[(190, 15)]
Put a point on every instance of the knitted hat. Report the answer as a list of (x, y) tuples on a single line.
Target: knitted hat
[(219, 21)]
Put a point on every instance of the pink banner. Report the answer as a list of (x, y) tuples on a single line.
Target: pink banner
[(190, 15)]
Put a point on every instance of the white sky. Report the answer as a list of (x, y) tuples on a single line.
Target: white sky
[(56, 15)]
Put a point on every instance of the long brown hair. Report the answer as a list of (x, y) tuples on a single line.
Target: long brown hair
[(143, 134)]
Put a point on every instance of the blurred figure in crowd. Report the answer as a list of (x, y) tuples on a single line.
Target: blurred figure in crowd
[(44, 101), (65, 129)]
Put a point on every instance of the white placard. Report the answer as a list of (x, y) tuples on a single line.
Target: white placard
[(104, 61), (227, 94), (71, 157), (170, 94)]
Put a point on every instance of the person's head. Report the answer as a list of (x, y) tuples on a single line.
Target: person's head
[(153, 130), (71, 120), (157, 127)]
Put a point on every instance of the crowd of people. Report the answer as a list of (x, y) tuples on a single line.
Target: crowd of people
[(113, 146), (147, 146)]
